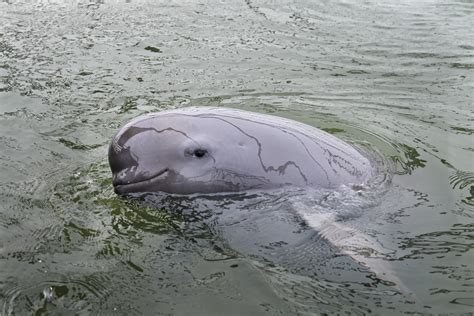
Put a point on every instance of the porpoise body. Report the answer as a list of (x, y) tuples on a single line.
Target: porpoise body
[(214, 149)]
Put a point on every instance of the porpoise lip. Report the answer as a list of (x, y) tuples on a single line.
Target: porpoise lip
[(137, 186)]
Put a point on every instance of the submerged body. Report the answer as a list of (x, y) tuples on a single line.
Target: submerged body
[(209, 150)]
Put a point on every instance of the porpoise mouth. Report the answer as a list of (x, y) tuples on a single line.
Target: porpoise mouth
[(138, 186)]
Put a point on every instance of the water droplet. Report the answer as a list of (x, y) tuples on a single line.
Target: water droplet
[(48, 293)]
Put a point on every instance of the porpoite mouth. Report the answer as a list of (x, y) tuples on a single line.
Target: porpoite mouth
[(138, 186)]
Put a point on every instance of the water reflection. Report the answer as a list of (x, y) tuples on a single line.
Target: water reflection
[(464, 181), (412, 159), (441, 243)]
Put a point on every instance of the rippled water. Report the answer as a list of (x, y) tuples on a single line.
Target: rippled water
[(394, 77)]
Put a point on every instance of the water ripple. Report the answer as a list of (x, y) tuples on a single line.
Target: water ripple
[(392, 77), (62, 295)]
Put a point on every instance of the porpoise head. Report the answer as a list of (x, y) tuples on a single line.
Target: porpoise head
[(179, 154)]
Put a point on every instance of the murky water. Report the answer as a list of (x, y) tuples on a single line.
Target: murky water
[(394, 77)]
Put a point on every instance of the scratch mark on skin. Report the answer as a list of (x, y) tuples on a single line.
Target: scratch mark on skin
[(224, 173), (133, 131), (280, 129), (285, 129), (282, 169), (331, 157), (317, 141), (265, 168)]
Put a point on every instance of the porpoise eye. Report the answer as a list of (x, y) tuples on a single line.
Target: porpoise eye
[(199, 153)]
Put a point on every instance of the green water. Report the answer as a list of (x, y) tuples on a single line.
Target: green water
[(393, 76)]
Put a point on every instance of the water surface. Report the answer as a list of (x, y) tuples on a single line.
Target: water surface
[(393, 77)]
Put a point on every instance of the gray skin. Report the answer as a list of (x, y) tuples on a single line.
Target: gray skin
[(210, 150)]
